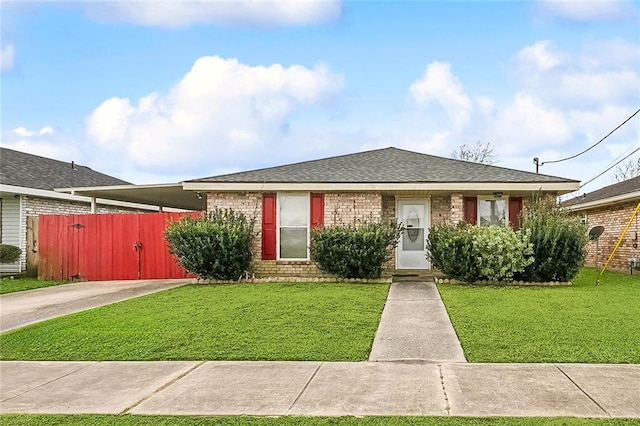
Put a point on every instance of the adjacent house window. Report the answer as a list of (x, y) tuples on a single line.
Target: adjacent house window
[(492, 211), (293, 226)]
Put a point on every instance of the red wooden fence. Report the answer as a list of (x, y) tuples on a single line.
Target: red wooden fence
[(95, 247)]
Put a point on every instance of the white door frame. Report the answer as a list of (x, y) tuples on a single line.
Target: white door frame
[(427, 223)]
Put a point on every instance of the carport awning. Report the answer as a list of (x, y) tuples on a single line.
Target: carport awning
[(162, 195)]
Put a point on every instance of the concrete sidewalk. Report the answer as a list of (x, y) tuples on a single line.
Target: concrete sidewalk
[(31, 306), (415, 326), (315, 388)]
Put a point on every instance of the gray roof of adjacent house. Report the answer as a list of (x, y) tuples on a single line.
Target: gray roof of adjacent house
[(617, 189), (32, 171), (387, 165)]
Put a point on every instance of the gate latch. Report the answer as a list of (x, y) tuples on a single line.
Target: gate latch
[(137, 245)]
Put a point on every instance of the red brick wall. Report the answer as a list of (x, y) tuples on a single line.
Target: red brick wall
[(614, 219)]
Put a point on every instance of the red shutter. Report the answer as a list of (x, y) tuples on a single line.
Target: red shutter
[(317, 210), (470, 210), (515, 208), (269, 226)]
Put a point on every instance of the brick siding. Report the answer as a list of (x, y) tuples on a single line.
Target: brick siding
[(614, 219), (339, 207)]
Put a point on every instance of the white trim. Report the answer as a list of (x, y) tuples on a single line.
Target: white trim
[(605, 201), (43, 193), (427, 219), (308, 227), (561, 187)]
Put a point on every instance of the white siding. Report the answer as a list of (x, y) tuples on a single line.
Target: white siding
[(12, 231)]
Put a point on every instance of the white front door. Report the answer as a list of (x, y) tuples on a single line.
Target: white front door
[(414, 216)]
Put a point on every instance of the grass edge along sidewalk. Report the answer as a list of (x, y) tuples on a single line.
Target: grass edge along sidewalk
[(138, 420), (583, 323), (302, 321), (14, 284)]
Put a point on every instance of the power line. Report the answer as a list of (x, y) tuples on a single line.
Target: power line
[(595, 144), (609, 168)]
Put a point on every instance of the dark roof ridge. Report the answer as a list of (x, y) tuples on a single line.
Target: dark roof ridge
[(391, 149)]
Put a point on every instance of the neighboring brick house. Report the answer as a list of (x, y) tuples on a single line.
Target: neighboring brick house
[(416, 189), (27, 184), (611, 207)]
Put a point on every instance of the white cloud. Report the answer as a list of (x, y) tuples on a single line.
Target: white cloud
[(539, 55), (175, 14), (439, 86), (220, 109), (591, 10), (526, 122), (7, 57), (44, 142)]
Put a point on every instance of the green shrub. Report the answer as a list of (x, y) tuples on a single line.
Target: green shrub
[(559, 242), (213, 246), (501, 252), (451, 251), (471, 253), (9, 253), (354, 251)]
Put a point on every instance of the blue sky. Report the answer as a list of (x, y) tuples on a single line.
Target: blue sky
[(164, 91)]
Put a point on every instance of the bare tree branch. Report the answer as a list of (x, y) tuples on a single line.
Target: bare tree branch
[(627, 170), (478, 153)]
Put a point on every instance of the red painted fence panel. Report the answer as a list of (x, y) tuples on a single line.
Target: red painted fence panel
[(96, 247)]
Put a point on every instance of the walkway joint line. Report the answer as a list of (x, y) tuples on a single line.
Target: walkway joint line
[(52, 380), (161, 388), (305, 387), (444, 391), (583, 391)]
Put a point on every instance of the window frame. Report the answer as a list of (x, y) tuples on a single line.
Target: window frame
[(493, 198), (307, 227)]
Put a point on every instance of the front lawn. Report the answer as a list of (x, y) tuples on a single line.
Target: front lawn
[(136, 420), (584, 323), (11, 285), (309, 321)]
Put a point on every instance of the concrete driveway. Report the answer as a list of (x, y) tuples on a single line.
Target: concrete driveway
[(31, 306)]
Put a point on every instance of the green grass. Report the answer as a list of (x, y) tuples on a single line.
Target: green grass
[(309, 321), (584, 323), (11, 285), (128, 420)]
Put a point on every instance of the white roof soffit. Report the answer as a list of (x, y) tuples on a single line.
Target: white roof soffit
[(606, 201), (559, 187), (162, 195)]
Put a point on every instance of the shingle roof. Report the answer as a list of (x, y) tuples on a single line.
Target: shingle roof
[(387, 165), (625, 187), (32, 171)]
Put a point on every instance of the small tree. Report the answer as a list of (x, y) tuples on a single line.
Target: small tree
[(354, 251), (478, 153), (212, 246)]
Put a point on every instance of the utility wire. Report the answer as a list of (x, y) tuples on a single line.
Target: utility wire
[(609, 168), (595, 144)]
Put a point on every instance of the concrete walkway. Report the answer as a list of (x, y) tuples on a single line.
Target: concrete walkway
[(31, 306), (315, 388), (415, 326)]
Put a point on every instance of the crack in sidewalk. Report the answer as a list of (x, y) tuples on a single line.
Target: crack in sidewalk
[(161, 388), (583, 391), (305, 387)]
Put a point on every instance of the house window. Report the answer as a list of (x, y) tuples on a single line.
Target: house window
[(492, 211), (293, 226)]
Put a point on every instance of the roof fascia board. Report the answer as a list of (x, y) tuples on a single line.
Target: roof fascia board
[(431, 186), (605, 201), (33, 192), (117, 187)]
